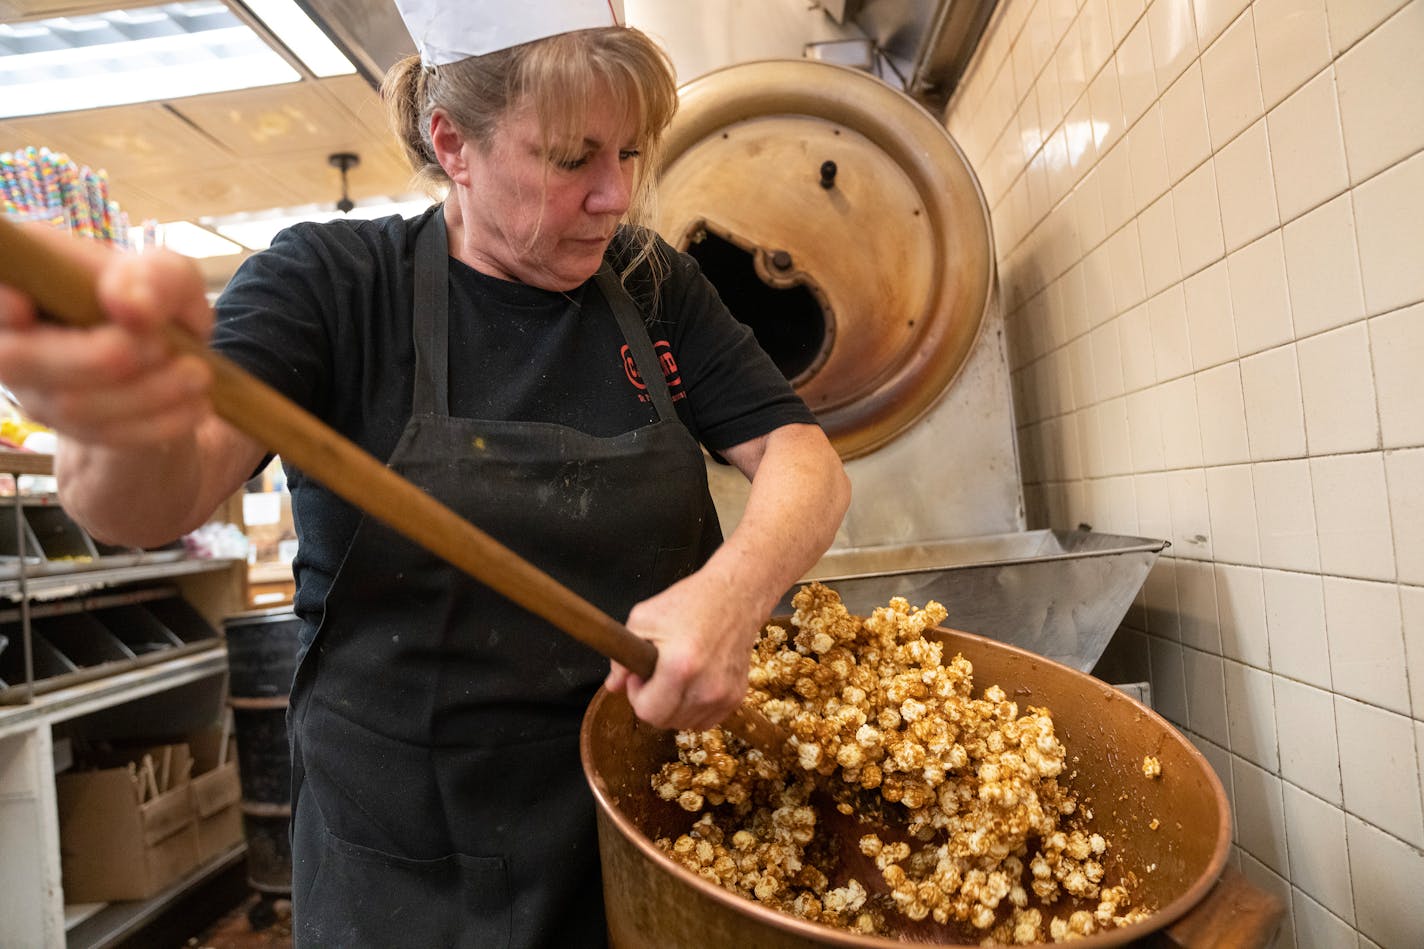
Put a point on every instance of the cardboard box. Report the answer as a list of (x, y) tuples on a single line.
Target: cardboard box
[(119, 843), (217, 795)]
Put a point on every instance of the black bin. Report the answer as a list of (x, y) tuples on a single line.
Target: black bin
[(262, 659)]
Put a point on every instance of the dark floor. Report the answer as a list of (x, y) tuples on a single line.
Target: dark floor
[(236, 929)]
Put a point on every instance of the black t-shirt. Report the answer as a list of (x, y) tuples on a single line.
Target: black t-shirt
[(324, 316)]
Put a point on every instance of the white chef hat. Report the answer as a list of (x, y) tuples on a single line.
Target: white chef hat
[(448, 30)]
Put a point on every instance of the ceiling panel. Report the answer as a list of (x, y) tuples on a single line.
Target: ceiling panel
[(381, 173), (274, 120), (126, 140), (356, 96), (213, 191)]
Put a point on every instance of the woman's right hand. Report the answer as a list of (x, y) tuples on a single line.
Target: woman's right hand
[(117, 385)]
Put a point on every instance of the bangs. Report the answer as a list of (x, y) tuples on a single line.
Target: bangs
[(561, 79)]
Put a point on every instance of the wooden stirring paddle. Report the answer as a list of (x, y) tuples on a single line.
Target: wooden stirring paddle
[(65, 291)]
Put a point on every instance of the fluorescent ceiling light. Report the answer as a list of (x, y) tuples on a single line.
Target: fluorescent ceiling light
[(125, 56), (190, 240), (303, 37), (255, 231)]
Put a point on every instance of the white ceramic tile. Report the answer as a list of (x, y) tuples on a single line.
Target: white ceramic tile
[(1386, 875), (1124, 15), (1075, 302), (1404, 472), (1352, 516), (1316, 832), (1295, 626), (1105, 105), (1115, 175), (1116, 452), (1223, 416), (1231, 81), (1171, 346), (1135, 338), (1147, 156), (1095, 32), (1234, 535), (1097, 284), (1322, 266), (1210, 319), (1260, 297), (1184, 129), (1213, 16), (1245, 187), (1036, 176), (1305, 723), (1136, 73), (1024, 70), (1389, 215), (1316, 927), (1082, 146), (1107, 361), (1241, 608), (1068, 63), (1275, 415), (1337, 388), (1144, 431), (1090, 442), (1260, 814), (1285, 510), (1154, 519), (1157, 230), (1350, 20), (1251, 714), (1169, 689), (1125, 261), (1307, 147), (1397, 351), (1366, 642), (1080, 365), (1174, 38), (1219, 759), (1377, 757), (1199, 234), (1047, 93), (1181, 424), (1411, 602), (1381, 88), (1293, 40), (1196, 598), (1206, 695)]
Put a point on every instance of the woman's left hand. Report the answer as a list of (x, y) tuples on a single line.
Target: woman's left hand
[(704, 632)]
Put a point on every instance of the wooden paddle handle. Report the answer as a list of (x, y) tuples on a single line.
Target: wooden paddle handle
[(65, 290)]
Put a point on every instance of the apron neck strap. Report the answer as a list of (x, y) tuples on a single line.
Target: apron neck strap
[(431, 321), (635, 334)]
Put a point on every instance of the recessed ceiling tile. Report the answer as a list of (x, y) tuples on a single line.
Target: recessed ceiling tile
[(127, 140), (310, 174), (273, 120), (201, 192)]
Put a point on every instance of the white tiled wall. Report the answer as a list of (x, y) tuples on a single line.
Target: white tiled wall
[(1209, 217)]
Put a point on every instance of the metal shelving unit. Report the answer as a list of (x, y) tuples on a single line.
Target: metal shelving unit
[(141, 689)]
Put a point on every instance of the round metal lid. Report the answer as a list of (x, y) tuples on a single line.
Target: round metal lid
[(841, 221)]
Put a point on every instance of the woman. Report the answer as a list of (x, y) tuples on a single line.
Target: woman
[(545, 370)]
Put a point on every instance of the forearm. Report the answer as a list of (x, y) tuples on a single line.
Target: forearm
[(147, 496), (799, 494)]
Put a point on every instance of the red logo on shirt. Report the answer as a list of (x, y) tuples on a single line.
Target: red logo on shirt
[(666, 361)]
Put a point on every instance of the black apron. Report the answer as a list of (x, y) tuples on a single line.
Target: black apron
[(438, 795)]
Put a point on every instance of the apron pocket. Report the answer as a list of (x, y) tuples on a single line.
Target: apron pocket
[(363, 897)]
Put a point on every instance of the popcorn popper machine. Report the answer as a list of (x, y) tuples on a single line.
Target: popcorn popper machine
[(843, 223)]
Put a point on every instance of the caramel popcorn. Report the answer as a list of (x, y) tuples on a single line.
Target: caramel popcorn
[(1151, 767), (880, 720)]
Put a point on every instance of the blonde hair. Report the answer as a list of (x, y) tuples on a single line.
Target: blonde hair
[(557, 77)]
